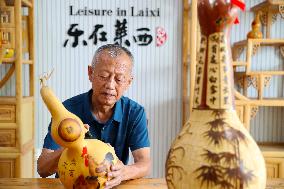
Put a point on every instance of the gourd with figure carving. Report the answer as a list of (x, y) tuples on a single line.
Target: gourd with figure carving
[(68, 131)]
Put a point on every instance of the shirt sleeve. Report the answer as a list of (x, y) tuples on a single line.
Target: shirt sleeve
[(139, 135), (48, 141)]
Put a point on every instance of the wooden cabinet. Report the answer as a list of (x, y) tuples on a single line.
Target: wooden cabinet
[(7, 167), (7, 137), (17, 112), (274, 159), (7, 113), (16, 138), (274, 167)]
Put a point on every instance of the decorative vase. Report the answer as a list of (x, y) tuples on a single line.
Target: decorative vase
[(68, 131), (214, 150)]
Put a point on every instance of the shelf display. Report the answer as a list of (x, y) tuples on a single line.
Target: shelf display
[(17, 112)]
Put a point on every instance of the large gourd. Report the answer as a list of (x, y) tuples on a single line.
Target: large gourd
[(68, 131), (214, 150)]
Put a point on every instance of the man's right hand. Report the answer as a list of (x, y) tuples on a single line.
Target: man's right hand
[(47, 162)]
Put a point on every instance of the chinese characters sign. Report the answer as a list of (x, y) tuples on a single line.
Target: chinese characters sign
[(143, 36)]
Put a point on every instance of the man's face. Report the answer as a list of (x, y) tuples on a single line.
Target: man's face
[(110, 78)]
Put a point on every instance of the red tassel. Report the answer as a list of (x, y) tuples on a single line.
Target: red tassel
[(237, 21), (240, 4)]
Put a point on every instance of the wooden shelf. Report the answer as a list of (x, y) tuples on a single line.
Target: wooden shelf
[(8, 60), (263, 42), (28, 61), (12, 99), (9, 151), (269, 73), (274, 150), (268, 12), (262, 102), (25, 3), (12, 61), (267, 4), (8, 125), (239, 63), (17, 112), (252, 46), (246, 107)]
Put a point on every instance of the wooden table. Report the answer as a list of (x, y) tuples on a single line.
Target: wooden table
[(40, 183)]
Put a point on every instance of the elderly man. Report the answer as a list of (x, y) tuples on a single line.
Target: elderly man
[(111, 117)]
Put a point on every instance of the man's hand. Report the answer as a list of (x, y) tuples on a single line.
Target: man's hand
[(113, 172), (120, 172), (116, 175), (87, 127), (48, 161)]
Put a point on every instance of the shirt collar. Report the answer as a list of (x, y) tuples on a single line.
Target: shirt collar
[(87, 106), (118, 109)]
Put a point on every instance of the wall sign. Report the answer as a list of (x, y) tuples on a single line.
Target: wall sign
[(143, 36)]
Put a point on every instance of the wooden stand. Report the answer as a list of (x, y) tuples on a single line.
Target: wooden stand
[(274, 159), (247, 107), (17, 112), (269, 10)]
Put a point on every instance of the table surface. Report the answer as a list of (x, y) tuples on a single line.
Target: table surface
[(41, 183)]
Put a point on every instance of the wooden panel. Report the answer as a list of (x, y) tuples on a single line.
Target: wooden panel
[(7, 168), (274, 167), (25, 34), (7, 138), (26, 122), (272, 170), (7, 113), (8, 34), (27, 164), (7, 19)]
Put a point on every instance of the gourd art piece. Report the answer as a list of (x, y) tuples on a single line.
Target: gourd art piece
[(255, 33), (214, 150), (68, 131)]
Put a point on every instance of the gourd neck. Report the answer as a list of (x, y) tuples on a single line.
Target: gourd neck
[(78, 148), (214, 87)]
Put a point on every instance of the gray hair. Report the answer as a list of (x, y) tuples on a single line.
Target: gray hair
[(113, 50)]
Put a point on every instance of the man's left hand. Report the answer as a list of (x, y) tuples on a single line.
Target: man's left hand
[(116, 175)]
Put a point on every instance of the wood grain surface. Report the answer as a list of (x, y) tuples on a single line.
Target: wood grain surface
[(41, 183)]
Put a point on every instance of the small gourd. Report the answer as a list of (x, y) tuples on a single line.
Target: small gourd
[(255, 33), (68, 131)]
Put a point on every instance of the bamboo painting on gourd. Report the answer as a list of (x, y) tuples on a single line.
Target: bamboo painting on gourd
[(214, 150)]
